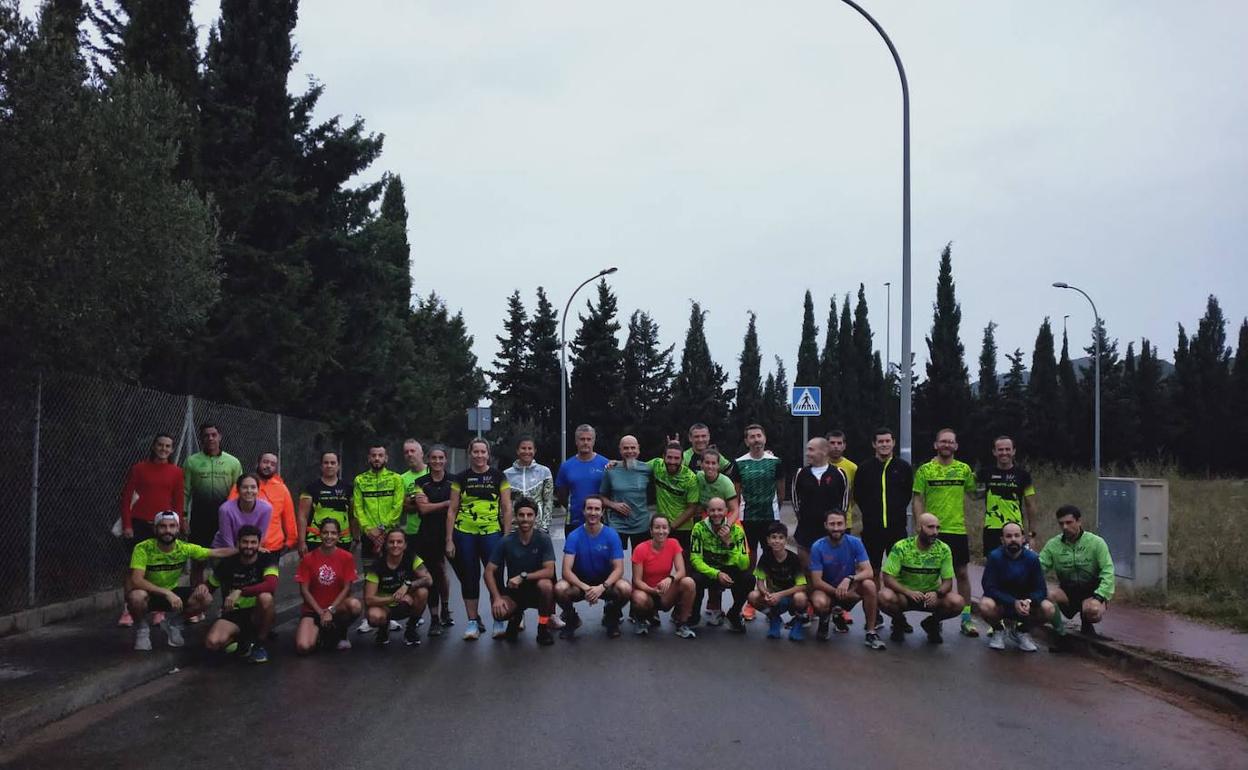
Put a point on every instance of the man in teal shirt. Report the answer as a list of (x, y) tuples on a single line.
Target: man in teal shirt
[(624, 488)]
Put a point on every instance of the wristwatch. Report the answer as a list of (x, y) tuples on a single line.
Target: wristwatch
[(524, 576)]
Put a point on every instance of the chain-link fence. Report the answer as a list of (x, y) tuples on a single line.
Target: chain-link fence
[(68, 443)]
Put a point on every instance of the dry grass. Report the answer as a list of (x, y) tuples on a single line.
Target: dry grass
[(1208, 559)]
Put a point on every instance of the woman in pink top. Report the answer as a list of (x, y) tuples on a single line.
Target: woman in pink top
[(660, 582)]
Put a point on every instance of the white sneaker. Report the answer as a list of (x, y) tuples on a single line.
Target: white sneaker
[(344, 644), (143, 637), (1011, 633), (173, 633), (715, 617), (997, 640), (364, 627), (500, 629), (556, 622), (394, 626), (473, 631), (1026, 643)]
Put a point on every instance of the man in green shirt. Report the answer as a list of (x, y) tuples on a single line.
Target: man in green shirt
[(699, 440), (1085, 571), (918, 576), (414, 456), (761, 474), (940, 487), (675, 492), (377, 498), (624, 487), (720, 561), (208, 477), (156, 566)]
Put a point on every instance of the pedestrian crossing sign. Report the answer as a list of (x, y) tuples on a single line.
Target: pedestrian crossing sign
[(805, 401)]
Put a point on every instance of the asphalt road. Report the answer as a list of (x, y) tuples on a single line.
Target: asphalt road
[(720, 700)]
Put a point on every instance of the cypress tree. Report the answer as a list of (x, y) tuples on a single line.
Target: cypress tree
[(1149, 397), (988, 406), (1239, 404), (945, 395), (698, 391), (830, 371), (596, 368), (849, 390), (1044, 420), (748, 407), (646, 383), (541, 387), (870, 382), (1071, 411), (1203, 377), (808, 348), (1013, 400), (511, 369)]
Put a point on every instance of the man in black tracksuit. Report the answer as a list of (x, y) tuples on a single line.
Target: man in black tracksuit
[(818, 487), (882, 490)]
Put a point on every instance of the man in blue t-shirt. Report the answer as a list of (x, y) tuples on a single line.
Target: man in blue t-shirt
[(579, 476), (593, 569), (841, 576)]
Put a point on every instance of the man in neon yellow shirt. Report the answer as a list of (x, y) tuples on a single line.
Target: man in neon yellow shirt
[(940, 487)]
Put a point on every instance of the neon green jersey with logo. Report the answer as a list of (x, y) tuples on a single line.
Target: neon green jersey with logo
[(944, 489)]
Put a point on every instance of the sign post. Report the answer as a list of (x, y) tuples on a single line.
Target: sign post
[(805, 401), (480, 419)]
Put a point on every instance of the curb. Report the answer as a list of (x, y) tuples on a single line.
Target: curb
[(61, 702)]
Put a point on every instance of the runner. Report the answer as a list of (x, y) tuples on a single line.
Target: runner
[(713, 483), (414, 456), (836, 456), (940, 486), (593, 569), (152, 485), (377, 497), (817, 488), (885, 484), (527, 557), (623, 491), (1008, 494), (840, 574), (396, 587), (720, 560), (1084, 569), (248, 582), (781, 585), (675, 492), (243, 509), (156, 565), (433, 498), (282, 532), (531, 479), (918, 576), (760, 475), (209, 475), (659, 580), (579, 476), (328, 497), (699, 441), (325, 577), (480, 511), (1014, 590)]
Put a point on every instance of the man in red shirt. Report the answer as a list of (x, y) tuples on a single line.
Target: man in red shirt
[(283, 531), (325, 577)]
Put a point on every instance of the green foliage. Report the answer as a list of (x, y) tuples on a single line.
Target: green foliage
[(698, 393), (808, 348), (646, 384), (944, 397), (749, 406), (596, 368)]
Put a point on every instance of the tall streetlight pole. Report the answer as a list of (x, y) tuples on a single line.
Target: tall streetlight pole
[(888, 329), (1064, 318), (1096, 390), (906, 448), (563, 362)]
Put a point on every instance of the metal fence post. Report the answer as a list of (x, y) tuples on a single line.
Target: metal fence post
[(279, 443), (34, 496)]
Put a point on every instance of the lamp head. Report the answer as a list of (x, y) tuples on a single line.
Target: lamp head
[(608, 271), (1060, 285)]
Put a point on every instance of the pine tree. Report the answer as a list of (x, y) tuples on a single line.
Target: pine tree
[(849, 389), (1013, 399), (988, 407), (698, 393), (646, 384), (944, 397), (808, 348), (447, 382), (1114, 448), (1239, 405), (1203, 378), (748, 407), (1149, 398), (781, 437), (1042, 432), (541, 391), (596, 359), (870, 375), (511, 369), (830, 371)]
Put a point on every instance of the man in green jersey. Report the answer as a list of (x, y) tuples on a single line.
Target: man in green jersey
[(208, 477), (675, 492), (719, 558), (156, 565), (377, 499), (1009, 496), (699, 441), (940, 487), (918, 576), (1085, 571), (761, 474), (414, 456)]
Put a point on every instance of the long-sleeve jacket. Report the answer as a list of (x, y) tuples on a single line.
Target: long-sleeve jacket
[(882, 490), (151, 488), (1085, 562), (814, 496), (377, 499), (709, 555), (535, 482), (1007, 580)]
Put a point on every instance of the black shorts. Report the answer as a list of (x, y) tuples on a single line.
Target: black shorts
[(807, 536), (526, 596), (879, 541), (399, 610), (203, 528), (961, 547), (633, 540), (431, 541), (685, 538), (1077, 596), (756, 533), (244, 618), (158, 602)]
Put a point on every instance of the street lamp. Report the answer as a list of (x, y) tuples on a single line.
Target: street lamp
[(905, 450), (563, 363), (1096, 338), (888, 329)]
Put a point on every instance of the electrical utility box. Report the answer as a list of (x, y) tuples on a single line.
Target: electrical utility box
[(1134, 518)]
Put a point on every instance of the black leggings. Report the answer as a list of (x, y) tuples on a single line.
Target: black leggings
[(742, 584)]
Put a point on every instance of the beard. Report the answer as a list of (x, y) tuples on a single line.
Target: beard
[(1013, 548)]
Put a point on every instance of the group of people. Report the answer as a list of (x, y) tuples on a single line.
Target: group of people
[(697, 524)]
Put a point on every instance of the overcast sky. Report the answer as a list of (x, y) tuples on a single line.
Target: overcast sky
[(739, 153)]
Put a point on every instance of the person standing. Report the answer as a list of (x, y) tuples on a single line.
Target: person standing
[(761, 474), (818, 487), (624, 487), (940, 487), (433, 499), (1008, 493), (414, 456), (327, 497), (154, 484), (208, 477), (530, 479), (699, 441), (836, 456), (283, 531), (579, 477), (675, 492), (377, 502), (479, 514), (885, 484)]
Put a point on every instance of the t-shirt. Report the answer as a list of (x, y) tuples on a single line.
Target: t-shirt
[(515, 556), (161, 568), (593, 554), (944, 487), (628, 485), (837, 562), (231, 518), (780, 575), (410, 487), (917, 569), (581, 478), (758, 477), (233, 573), (152, 487), (673, 492), (722, 486), (207, 482), (851, 469), (479, 496), (329, 501), (390, 579), (326, 575), (1004, 492), (434, 492), (656, 565), (694, 461)]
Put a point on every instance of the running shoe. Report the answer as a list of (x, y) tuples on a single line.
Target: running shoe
[(411, 634), (143, 637), (905, 625), (473, 630), (568, 631), (898, 634), (798, 632), (500, 629), (1025, 642), (125, 621), (258, 655), (642, 629), (435, 627), (736, 624), (613, 629), (394, 625), (383, 636), (714, 617), (447, 620), (344, 645), (824, 631), (932, 627), (685, 632), (775, 625), (872, 640), (838, 621), (544, 637), (364, 627), (846, 618), (747, 614), (244, 649), (173, 633), (968, 627), (996, 641), (556, 622), (515, 624)]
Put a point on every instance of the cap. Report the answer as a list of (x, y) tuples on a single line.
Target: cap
[(166, 516)]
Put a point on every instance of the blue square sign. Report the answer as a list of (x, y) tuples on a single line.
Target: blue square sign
[(805, 401)]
